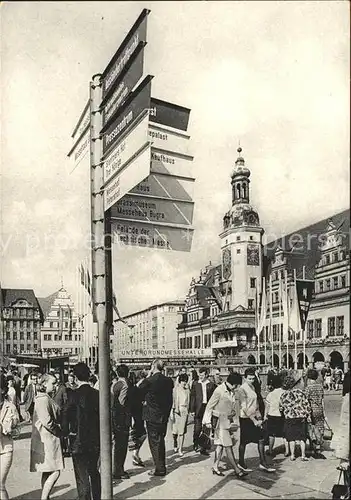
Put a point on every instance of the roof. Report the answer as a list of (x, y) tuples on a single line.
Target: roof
[(10, 295), (46, 303), (307, 252)]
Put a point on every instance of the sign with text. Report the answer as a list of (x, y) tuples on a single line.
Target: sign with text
[(167, 140), (165, 353), (138, 207), (138, 101), (171, 115), (125, 85), (171, 164), (129, 177), (82, 124), (129, 145), (153, 235), (80, 150), (165, 186), (125, 51)]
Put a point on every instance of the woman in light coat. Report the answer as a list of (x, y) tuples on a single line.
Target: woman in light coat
[(181, 402), (45, 450), (219, 414)]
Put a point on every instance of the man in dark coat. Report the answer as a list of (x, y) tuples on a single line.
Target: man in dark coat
[(82, 424), (201, 391), (157, 394), (30, 393)]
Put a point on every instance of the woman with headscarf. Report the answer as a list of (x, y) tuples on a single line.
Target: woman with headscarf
[(296, 409), (315, 394), (45, 449)]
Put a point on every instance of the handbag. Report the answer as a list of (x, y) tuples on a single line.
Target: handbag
[(340, 491), (328, 433), (204, 440)]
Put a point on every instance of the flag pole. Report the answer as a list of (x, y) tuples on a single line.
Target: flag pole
[(288, 317), (304, 328), (265, 332), (257, 326), (295, 336), (280, 319), (271, 317)]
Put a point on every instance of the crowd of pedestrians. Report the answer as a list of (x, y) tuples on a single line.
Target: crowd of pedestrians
[(145, 404)]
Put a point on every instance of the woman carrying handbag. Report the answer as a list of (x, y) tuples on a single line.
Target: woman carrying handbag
[(222, 406)]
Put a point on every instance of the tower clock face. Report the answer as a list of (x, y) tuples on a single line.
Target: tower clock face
[(253, 255), (227, 262)]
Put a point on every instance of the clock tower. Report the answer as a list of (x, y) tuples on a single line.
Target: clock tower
[(241, 244)]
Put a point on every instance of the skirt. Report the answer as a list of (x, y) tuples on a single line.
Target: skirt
[(295, 429), (275, 426), (180, 422), (249, 433)]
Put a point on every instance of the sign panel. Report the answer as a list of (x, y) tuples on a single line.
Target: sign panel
[(143, 208), (138, 101), (131, 175), (165, 353), (167, 140), (82, 124), (152, 235), (130, 77), (125, 149), (165, 186), (166, 163), (80, 149), (166, 113), (125, 51)]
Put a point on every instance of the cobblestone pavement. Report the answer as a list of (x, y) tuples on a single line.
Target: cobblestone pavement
[(190, 476)]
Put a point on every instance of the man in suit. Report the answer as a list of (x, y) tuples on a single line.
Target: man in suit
[(157, 394), (121, 420), (201, 391), (82, 424), (30, 393)]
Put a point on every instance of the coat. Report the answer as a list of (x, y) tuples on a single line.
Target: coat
[(28, 397), (121, 406), (157, 395), (341, 440), (221, 405), (196, 396), (45, 448), (82, 420)]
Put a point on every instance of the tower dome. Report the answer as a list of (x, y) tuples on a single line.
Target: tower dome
[(240, 170)]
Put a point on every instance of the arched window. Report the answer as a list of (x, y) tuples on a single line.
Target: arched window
[(238, 190), (244, 190)]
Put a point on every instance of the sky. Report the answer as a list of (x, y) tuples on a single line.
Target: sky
[(272, 75)]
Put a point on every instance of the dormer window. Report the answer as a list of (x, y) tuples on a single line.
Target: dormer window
[(327, 259)]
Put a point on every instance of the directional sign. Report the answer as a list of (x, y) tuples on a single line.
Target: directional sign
[(143, 208), (166, 163), (169, 114), (80, 138), (127, 81), (165, 186), (167, 140), (128, 146), (130, 176), (151, 235), (125, 51), (138, 101)]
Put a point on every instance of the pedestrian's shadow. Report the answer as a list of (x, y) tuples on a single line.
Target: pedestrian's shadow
[(138, 488), (36, 494)]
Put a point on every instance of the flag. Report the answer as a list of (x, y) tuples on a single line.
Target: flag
[(115, 308), (88, 287), (60, 321), (270, 310), (294, 316), (82, 275), (70, 320), (262, 314), (285, 298), (304, 290)]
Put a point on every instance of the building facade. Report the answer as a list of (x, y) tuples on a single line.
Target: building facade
[(62, 331), (151, 328), (21, 318), (223, 305)]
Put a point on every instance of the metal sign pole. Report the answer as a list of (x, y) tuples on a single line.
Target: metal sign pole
[(98, 231)]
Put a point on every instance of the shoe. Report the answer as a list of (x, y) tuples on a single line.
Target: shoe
[(292, 458), (205, 452), (138, 462), (244, 469), (181, 454), (123, 475), (195, 447), (217, 472), (175, 449), (157, 473), (286, 454), (266, 468), (241, 474), (304, 459)]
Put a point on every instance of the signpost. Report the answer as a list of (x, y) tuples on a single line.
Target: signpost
[(141, 187)]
